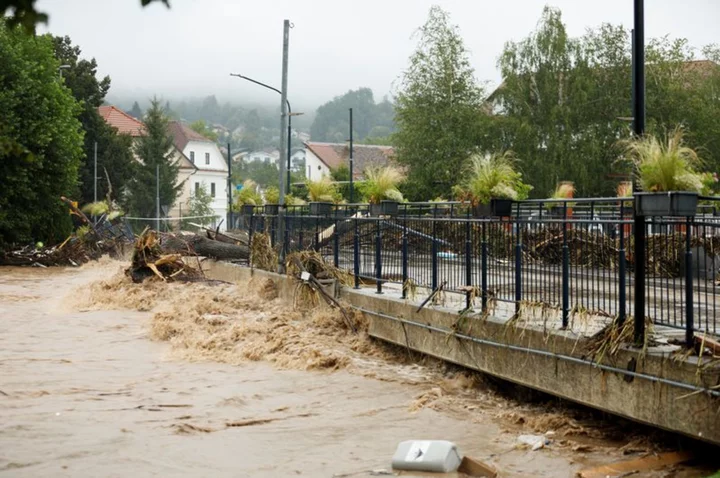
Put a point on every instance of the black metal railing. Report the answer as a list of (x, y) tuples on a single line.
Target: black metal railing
[(565, 259)]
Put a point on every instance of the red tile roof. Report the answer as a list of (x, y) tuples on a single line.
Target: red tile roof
[(123, 122), (335, 155), (182, 135)]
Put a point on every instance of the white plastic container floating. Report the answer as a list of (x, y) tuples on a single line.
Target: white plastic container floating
[(439, 456)]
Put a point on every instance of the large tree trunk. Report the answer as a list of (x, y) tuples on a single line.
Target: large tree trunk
[(202, 246)]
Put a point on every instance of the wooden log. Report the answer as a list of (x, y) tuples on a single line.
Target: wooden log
[(202, 246)]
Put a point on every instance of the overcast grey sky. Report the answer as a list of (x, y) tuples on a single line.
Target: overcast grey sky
[(335, 45)]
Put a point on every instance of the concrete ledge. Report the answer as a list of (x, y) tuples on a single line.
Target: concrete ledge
[(664, 405)]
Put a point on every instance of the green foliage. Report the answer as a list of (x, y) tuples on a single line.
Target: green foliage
[(342, 173), (332, 121), (322, 190), (155, 150), (382, 183), (665, 166), (100, 208), (493, 176), (438, 110), (564, 190), (40, 141), (201, 127), (292, 200), (114, 159), (199, 204), (249, 194), (272, 195), (561, 99)]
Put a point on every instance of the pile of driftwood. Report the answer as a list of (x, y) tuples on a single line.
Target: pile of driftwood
[(89, 242), (161, 254)]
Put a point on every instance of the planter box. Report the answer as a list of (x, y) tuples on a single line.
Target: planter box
[(320, 208), (248, 209), (385, 208), (271, 209), (672, 203), (501, 207)]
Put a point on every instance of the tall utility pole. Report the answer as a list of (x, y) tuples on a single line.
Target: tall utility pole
[(283, 125), (157, 197), (639, 129), (352, 188), (96, 176), (228, 221)]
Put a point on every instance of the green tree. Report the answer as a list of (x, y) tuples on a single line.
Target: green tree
[(199, 204), (332, 120), (115, 158), (201, 127), (437, 110), (40, 141), (136, 112), (155, 150), (562, 101)]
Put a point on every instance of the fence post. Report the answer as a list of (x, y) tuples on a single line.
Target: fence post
[(356, 254), (272, 231), (336, 245), (565, 273), (316, 238), (622, 312), (286, 235), (689, 306), (404, 257), (484, 271), (378, 256), (468, 261), (518, 259), (301, 246), (434, 251)]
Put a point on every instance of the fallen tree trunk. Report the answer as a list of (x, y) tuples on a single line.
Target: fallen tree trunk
[(202, 246)]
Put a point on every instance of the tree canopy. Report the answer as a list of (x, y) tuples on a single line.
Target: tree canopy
[(115, 158), (438, 110), (564, 102), (332, 121), (40, 140), (202, 128), (155, 150)]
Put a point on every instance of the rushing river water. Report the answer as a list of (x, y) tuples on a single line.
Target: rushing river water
[(86, 393)]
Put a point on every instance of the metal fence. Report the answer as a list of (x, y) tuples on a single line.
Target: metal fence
[(571, 257)]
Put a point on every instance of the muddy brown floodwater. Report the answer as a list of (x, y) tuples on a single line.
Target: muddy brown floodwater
[(99, 377)]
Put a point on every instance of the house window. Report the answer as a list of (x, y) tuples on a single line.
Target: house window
[(192, 157), (212, 189), (207, 158), (308, 172), (197, 188)]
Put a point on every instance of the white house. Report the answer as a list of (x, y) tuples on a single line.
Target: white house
[(126, 124), (269, 155), (212, 168)]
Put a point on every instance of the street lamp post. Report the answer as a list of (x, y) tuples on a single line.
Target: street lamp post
[(289, 127)]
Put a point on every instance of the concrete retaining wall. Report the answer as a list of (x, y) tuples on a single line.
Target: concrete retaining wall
[(662, 405)]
